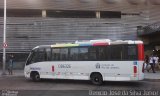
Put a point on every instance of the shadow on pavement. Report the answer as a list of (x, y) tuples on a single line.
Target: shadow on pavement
[(87, 82)]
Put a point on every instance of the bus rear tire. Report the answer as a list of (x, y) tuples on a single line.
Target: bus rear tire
[(96, 78), (35, 76)]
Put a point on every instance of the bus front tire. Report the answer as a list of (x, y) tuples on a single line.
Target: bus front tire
[(96, 78), (35, 76)]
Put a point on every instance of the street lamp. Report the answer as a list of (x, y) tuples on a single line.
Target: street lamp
[(4, 40)]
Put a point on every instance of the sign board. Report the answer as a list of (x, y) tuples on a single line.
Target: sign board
[(5, 45)]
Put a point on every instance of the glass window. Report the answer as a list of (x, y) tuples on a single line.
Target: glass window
[(56, 54), (83, 53), (48, 54), (101, 53), (107, 52), (132, 52), (73, 54), (64, 54), (92, 53), (116, 52), (129, 52), (30, 57), (37, 55), (41, 55), (124, 52)]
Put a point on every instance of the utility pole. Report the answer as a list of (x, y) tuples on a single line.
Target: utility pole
[(4, 40)]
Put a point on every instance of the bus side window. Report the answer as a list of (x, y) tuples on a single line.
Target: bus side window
[(125, 52), (116, 52), (73, 54), (132, 52), (64, 54), (92, 53), (48, 54), (56, 54), (40, 56), (107, 52), (101, 53), (83, 53)]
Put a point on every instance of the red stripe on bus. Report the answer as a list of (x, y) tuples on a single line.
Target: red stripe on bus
[(141, 52), (100, 44)]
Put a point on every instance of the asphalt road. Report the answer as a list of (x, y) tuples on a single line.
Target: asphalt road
[(19, 86)]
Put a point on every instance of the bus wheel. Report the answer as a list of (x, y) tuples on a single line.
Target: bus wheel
[(96, 78), (35, 76)]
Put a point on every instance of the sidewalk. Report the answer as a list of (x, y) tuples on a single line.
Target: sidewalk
[(15, 73), (151, 75), (147, 75)]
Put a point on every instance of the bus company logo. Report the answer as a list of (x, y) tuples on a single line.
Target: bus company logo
[(35, 68), (98, 66), (64, 66)]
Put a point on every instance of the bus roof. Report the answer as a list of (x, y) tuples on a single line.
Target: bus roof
[(41, 46), (97, 43)]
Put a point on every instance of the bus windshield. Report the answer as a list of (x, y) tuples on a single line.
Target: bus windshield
[(39, 55)]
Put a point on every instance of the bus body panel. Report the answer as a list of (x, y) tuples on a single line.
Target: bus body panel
[(114, 60), (110, 70)]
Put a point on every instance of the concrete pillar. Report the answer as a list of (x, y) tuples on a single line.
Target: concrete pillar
[(98, 14), (44, 13)]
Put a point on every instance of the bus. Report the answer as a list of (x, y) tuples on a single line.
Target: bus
[(95, 60)]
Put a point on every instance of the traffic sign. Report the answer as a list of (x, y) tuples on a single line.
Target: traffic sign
[(5, 45)]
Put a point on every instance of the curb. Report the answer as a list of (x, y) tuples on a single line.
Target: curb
[(155, 80)]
